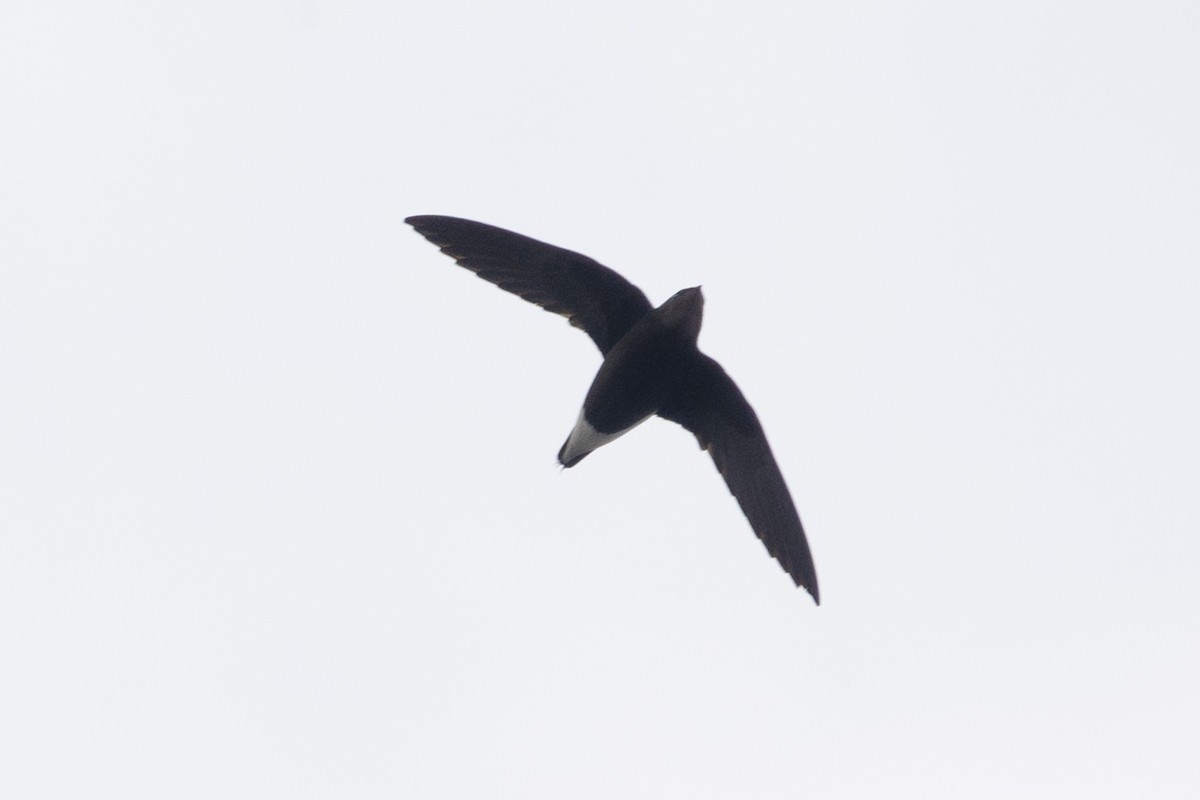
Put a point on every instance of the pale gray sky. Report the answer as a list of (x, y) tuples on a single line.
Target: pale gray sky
[(279, 515)]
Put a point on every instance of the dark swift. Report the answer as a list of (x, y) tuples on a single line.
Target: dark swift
[(651, 367)]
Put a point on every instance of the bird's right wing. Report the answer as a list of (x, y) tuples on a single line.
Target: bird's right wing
[(711, 406), (590, 295)]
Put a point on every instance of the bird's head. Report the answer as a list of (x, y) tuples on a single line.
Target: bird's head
[(685, 311)]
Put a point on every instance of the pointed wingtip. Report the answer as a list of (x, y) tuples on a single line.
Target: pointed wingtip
[(809, 584), (423, 221)]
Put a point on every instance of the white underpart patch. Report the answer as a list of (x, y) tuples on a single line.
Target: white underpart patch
[(584, 438)]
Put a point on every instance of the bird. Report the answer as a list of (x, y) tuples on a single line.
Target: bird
[(652, 367)]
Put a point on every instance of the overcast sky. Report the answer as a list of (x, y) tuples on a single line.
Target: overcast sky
[(279, 512)]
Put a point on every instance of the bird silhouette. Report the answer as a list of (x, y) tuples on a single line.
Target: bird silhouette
[(651, 367)]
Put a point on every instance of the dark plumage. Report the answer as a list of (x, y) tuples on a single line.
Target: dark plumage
[(651, 366)]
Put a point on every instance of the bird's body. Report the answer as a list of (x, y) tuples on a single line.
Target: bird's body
[(640, 374), (651, 366)]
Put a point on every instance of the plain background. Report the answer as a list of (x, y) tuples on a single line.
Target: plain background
[(279, 515)]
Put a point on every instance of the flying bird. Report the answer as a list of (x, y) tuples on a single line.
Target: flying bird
[(651, 367)]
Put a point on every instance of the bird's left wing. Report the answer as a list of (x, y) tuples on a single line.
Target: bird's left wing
[(710, 405)]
